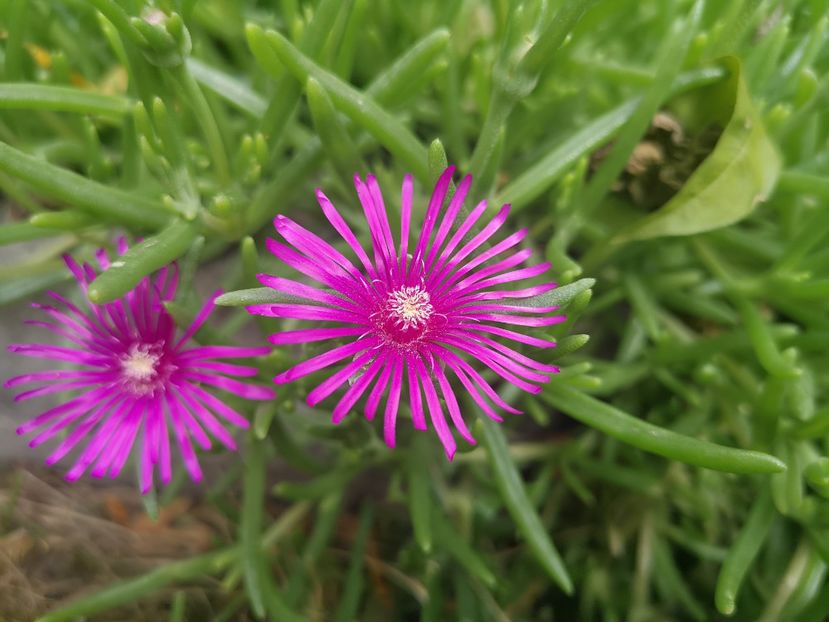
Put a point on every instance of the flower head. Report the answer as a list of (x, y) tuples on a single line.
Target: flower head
[(412, 316), (133, 379)]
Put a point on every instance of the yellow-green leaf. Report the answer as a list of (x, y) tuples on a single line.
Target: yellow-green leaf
[(737, 175)]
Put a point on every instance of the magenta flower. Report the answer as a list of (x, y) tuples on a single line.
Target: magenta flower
[(134, 379), (410, 317)]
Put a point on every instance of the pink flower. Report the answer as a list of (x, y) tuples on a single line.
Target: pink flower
[(412, 316), (134, 379)]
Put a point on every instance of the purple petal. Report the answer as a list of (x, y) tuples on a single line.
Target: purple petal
[(354, 392), (217, 405), (467, 267), (515, 275), (484, 354), (201, 317), (457, 237), (415, 400), (145, 473), (61, 387), (47, 376), (376, 394), (324, 360), (247, 391), (378, 226), (191, 462), (474, 306), (314, 246), (166, 282), (452, 405), (166, 467), (307, 312), (187, 419), (309, 335), (58, 353), (216, 352), (508, 334), (435, 411), (242, 371), (473, 392), (310, 268), (82, 402), (476, 277), (500, 347), (332, 383), (449, 218), (516, 320), (68, 419), (122, 448), (345, 232), (76, 271), (300, 290), (487, 232), (457, 362), (405, 220), (527, 292), (208, 420), (432, 211), (100, 439), (393, 403)]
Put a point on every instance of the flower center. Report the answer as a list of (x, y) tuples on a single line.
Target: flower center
[(409, 307), (406, 318), (140, 368)]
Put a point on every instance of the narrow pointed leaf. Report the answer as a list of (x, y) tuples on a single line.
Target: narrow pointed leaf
[(652, 438), (143, 259), (361, 108), (527, 521), (78, 191), (33, 96)]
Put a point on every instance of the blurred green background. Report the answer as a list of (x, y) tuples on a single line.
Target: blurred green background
[(669, 158)]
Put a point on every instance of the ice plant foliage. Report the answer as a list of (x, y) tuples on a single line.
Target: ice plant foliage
[(410, 316), (135, 380)]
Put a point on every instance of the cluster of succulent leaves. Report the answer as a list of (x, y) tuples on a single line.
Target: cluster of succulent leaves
[(191, 124)]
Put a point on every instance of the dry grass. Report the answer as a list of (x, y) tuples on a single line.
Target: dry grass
[(60, 541)]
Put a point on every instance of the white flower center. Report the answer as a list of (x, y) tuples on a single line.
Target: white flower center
[(410, 307), (139, 367)]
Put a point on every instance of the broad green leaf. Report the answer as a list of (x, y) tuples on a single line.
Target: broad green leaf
[(738, 174)]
